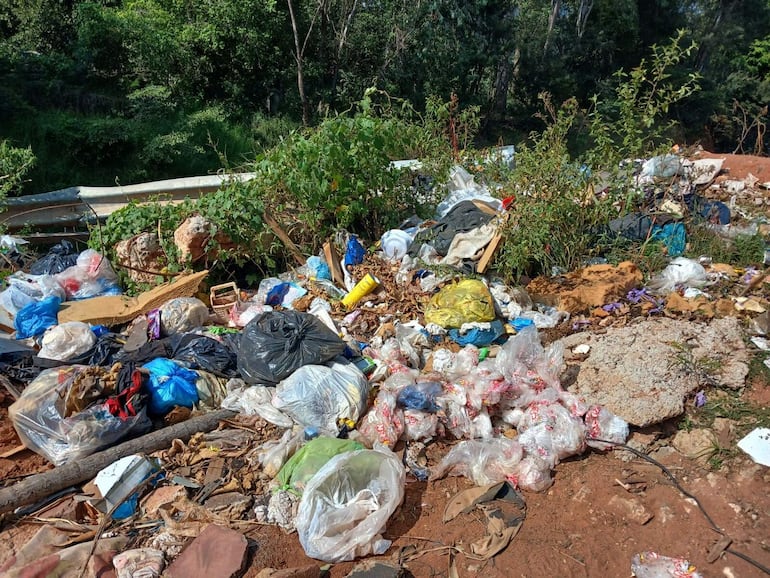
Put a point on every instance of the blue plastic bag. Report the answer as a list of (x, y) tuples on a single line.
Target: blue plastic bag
[(478, 337), (170, 385), (354, 253), (673, 236), (421, 396), (318, 268), (36, 317)]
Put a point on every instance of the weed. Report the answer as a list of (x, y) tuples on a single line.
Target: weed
[(743, 251), (704, 370)]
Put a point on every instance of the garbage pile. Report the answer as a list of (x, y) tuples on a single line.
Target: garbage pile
[(358, 363)]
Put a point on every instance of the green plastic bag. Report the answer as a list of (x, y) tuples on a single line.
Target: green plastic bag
[(302, 466), (468, 301)]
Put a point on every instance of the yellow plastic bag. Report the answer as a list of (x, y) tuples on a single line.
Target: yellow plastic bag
[(468, 301)]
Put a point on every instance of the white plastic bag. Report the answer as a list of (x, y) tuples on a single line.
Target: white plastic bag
[(484, 462), (347, 504), (254, 400), (602, 424), (681, 271), (66, 341), (384, 423), (319, 395)]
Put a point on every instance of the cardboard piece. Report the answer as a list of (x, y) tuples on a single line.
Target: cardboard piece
[(333, 261), (114, 310)]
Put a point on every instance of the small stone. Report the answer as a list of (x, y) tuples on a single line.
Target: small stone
[(376, 569), (697, 444), (631, 509), (197, 561), (581, 349)]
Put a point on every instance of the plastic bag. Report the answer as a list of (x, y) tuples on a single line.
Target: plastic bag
[(319, 395), (484, 462), (25, 289), (601, 423), (395, 243), (317, 268), (201, 352), (532, 473), (463, 187), (38, 417), (67, 341), (254, 400), (273, 454), (653, 565), (60, 257), (310, 458), (347, 504), (421, 396), (92, 275), (182, 314), (681, 271), (384, 423), (548, 430), (277, 343), (419, 426), (36, 317), (467, 301), (170, 385)]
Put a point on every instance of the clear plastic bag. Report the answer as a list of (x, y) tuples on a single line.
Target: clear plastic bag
[(653, 565), (601, 423), (319, 395), (419, 425), (25, 289), (681, 271), (549, 431), (347, 504), (182, 314), (532, 473), (384, 423), (254, 400), (67, 341), (38, 417), (92, 275), (484, 462), (273, 454)]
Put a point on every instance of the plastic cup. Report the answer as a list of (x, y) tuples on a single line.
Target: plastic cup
[(362, 288)]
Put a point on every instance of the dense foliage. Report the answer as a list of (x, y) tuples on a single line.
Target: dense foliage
[(132, 90)]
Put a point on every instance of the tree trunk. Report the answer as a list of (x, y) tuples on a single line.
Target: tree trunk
[(555, 6), (38, 486), (340, 46), (298, 58)]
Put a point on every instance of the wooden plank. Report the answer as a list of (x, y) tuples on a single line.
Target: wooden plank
[(489, 252), (333, 260)]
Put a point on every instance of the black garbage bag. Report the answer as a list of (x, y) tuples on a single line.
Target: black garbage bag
[(201, 352), (60, 257), (275, 344)]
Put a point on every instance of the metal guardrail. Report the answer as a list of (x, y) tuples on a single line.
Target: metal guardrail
[(73, 207)]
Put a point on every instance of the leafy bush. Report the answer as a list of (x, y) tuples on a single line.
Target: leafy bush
[(14, 164), (315, 182)]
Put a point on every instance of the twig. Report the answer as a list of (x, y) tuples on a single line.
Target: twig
[(568, 556)]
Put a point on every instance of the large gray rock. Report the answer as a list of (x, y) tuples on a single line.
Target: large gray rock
[(632, 370)]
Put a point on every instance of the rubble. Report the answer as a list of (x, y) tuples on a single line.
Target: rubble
[(645, 385)]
